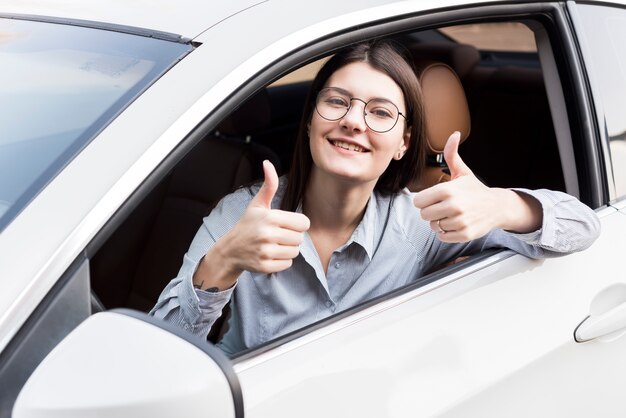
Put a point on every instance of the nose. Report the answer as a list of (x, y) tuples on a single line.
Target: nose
[(354, 119)]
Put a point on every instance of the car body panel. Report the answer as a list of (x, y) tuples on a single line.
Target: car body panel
[(440, 355)]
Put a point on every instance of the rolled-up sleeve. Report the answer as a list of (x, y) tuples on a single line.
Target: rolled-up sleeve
[(567, 226)]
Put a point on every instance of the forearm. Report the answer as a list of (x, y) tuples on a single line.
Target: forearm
[(188, 308), (567, 224), (215, 271), (519, 212)]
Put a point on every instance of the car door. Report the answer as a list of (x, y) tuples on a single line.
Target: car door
[(492, 338)]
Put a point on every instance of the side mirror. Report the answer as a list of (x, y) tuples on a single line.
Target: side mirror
[(125, 364)]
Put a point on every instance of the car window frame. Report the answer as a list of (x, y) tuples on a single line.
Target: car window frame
[(595, 96)]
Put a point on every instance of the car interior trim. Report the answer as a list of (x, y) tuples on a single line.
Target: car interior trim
[(210, 350)]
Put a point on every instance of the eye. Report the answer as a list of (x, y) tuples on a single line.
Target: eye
[(381, 112), (336, 101)]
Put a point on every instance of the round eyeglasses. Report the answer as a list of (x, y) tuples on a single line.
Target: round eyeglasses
[(380, 115)]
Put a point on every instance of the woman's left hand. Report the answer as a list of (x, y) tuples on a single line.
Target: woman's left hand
[(464, 209)]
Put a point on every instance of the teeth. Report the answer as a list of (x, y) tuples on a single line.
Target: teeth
[(350, 147)]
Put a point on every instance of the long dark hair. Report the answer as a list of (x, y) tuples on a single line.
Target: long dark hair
[(384, 57)]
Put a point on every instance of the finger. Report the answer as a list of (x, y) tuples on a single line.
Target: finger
[(289, 237), (274, 266), (436, 211), (453, 159), (452, 236), (283, 252), (432, 195), (267, 191), (290, 220)]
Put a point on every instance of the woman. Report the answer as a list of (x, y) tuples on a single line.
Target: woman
[(348, 229)]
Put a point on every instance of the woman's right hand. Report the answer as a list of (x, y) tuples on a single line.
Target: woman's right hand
[(264, 240)]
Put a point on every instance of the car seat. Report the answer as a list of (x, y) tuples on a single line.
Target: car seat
[(445, 111)]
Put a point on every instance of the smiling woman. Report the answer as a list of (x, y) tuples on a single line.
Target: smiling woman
[(61, 85), (349, 231)]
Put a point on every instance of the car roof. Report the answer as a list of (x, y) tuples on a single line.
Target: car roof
[(187, 18)]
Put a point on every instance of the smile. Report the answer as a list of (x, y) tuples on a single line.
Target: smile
[(348, 146)]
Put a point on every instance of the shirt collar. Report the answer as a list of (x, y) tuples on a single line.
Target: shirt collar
[(365, 231)]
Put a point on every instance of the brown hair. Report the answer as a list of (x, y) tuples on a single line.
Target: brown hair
[(384, 57)]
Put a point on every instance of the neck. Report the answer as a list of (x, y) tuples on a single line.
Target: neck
[(335, 205)]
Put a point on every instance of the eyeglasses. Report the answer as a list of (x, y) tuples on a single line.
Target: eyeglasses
[(380, 115)]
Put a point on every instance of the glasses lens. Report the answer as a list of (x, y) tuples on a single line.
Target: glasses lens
[(381, 115), (331, 104)]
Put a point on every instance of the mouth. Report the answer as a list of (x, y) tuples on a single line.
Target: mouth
[(347, 146)]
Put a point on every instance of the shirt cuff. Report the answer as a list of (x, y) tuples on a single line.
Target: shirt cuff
[(209, 300), (546, 235)]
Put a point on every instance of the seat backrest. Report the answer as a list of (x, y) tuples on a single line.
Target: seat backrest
[(446, 110)]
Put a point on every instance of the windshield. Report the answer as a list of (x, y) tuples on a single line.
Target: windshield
[(59, 86)]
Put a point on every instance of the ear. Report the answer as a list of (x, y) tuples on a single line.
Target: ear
[(406, 138)]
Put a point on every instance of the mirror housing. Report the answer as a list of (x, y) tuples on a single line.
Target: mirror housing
[(126, 364)]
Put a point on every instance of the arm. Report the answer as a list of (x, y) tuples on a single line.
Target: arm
[(464, 209), (229, 242)]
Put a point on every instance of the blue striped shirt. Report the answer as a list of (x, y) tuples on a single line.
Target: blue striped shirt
[(391, 247)]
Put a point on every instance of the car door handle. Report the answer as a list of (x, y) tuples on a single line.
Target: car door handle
[(602, 325)]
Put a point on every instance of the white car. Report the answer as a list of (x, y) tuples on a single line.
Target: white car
[(122, 122)]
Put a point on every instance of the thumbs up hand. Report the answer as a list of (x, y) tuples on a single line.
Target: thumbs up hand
[(264, 240), (463, 208)]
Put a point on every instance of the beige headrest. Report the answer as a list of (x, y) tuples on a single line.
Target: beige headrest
[(445, 105)]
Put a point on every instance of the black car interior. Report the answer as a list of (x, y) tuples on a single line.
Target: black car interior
[(504, 116)]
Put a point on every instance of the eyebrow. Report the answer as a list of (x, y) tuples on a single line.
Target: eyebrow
[(347, 93)]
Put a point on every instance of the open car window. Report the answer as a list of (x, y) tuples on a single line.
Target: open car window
[(510, 115)]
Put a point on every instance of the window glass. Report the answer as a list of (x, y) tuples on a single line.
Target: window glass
[(606, 34), (306, 73), (505, 36), (59, 86)]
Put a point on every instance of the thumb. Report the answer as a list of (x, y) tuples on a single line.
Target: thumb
[(453, 159), (267, 191)]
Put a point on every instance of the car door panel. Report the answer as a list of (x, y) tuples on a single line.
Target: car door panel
[(468, 347)]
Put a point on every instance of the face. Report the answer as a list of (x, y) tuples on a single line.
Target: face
[(347, 149)]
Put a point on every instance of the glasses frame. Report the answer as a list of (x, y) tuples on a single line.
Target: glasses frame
[(364, 112)]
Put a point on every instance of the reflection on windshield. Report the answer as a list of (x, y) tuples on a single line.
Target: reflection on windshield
[(59, 86)]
